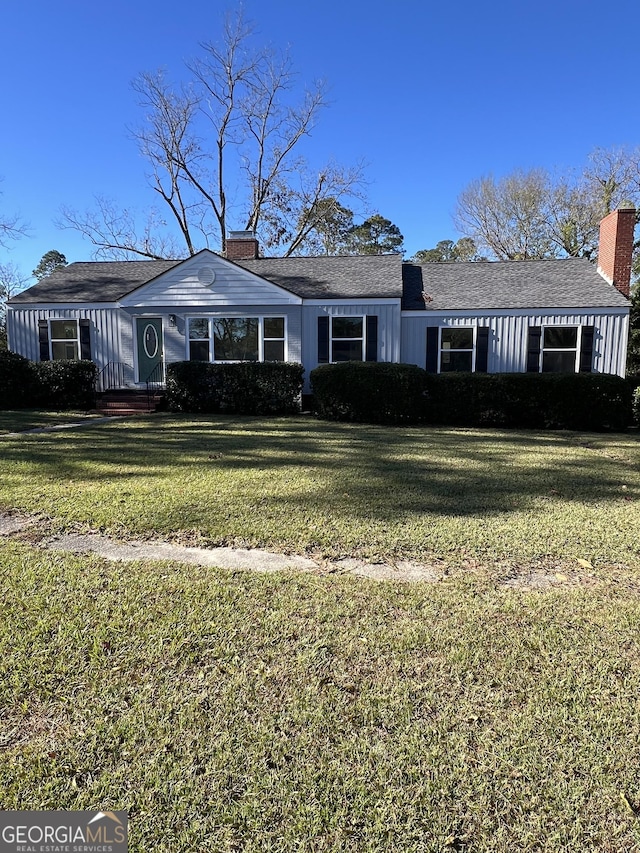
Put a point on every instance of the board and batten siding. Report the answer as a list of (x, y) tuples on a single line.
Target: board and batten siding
[(175, 337), (387, 312), (508, 336), (183, 288), (105, 329)]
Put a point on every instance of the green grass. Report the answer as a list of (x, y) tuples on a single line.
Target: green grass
[(233, 712), (236, 711), (338, 489), (20, 420)]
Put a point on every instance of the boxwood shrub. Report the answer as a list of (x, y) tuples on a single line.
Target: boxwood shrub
[(371, 392), (56, 385), (65, 384), (400, 393), (247, 388), (18, 381), (581, 401)]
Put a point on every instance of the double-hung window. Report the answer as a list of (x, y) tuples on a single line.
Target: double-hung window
[(64, 340), (456, 349), (347, 339), (559, 349), (199, 339), (237, 338)]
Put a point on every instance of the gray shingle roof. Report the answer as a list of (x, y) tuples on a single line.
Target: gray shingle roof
[(93, 281), (495, 285), (311, 278), (333, 277), (571, 283)]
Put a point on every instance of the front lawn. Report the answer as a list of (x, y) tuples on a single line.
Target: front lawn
[(455, 495), (230, 711), (287, 712), (20, 420)]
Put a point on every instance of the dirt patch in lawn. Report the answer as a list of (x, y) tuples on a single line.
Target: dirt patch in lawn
[(255, 559), (543, 575)]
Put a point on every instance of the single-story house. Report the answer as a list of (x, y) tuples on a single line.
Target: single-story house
[(134, 317)]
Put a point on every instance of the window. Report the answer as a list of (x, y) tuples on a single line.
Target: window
[(347, 339), (456, 349), (199, 339), (65, 343), (559, 349), (237, 339), (273, 339)]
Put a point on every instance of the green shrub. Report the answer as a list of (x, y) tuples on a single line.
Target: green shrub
[(247, 388), (65, 384), (402, 393), (370, 392), (583, 401), (636, 406), (17, 381), (192, 386)]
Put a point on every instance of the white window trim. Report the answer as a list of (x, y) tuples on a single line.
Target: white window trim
[(363, 318), (474, 335), (75, 340), (576, 350), (237, 316)]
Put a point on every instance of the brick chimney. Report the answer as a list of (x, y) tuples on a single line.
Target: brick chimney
[(616, 247), (241, 246)]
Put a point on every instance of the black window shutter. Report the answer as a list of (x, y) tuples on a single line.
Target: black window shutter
[(85, 339), (482, 349), (372, 338), (323, 339), (533, 349), (432, 349), (43, 340), (586, 349)]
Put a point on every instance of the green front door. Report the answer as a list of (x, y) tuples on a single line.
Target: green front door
[(149, 335)]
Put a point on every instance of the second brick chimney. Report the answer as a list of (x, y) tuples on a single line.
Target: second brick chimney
[(241, 246), (616, 248)]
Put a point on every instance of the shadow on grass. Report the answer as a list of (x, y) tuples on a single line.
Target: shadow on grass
[(367, 471)]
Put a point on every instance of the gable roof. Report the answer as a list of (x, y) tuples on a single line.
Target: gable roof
[(93, 281), (483, 286), (495, 285), (334, 277)]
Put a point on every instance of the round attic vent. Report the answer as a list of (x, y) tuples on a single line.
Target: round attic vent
[(206, 275)]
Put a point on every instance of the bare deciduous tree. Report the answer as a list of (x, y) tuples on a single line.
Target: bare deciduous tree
[(11, 282), (117, 235), (534, 215), (507, 217), (222, 149), (12, 228)]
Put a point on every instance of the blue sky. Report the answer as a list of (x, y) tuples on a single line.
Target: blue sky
[(430, 94)]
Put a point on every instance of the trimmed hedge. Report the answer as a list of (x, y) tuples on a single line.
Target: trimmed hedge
[(65, 384), (244, 388), (581, 401), (636, 406), (400, 393), (56, 385), (371, 392), (18, 381)]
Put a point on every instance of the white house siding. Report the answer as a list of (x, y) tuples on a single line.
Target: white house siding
[(175, 340), (233, 286), (387, 311), (22, 328), (508, 337)]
